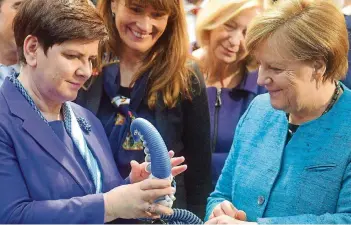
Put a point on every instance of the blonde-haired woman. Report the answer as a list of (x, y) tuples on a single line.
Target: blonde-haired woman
[(229, 73), (291, 159), (151, 80)]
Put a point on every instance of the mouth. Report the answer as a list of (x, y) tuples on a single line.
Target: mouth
[(139, 35), (274, 92), (75, 84), (230, 51)]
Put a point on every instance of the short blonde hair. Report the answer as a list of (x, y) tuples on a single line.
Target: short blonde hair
[(216, 13), (308, 29)]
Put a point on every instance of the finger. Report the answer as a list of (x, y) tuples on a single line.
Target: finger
[(241, 215), (229, 209), (212, 221), (152, 195), (135, 168), (211, 216), (149, 215), (171, 154), (163, 210), (157, 209), (178, 170), (224, 219), (218, 212), (143, 172), (150, 184), (177, 161)]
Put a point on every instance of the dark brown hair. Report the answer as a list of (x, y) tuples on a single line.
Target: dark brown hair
[(56, 21), (166, 61)]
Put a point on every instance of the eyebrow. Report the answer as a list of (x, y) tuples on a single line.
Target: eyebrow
[(79, 54), (75, 52), (135, 5), (231, 22), (275, 64), (16, 3)]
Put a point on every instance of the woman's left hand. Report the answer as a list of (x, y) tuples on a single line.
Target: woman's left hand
[(224, 219), (138, 172)]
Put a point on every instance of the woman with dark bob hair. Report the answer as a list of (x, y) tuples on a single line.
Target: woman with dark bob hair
[(56, 165)]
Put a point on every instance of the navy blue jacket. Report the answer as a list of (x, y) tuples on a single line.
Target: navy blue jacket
[(184, 128), (40, 179)]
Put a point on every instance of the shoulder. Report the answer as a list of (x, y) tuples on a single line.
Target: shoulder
[(197, 80), (343, 104), (262, 102), (260, 109), (110, 68), (7, 98), (9, 123)]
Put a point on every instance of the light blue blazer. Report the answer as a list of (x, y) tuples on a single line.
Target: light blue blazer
[(306, 181), (40, 182)]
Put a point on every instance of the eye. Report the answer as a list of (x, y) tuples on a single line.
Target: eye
[(71, 56), (276, 70), (244, 32), (229, 26), (17, 4), (136, 9), (158, 14)]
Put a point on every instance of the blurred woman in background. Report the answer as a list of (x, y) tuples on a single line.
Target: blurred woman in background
[(230, 74)]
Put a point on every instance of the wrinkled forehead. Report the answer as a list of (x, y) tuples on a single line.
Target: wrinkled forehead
[(275, 48)]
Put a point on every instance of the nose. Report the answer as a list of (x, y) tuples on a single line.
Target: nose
[(263, 78), (235, 37), (144, 24), (85, 70)]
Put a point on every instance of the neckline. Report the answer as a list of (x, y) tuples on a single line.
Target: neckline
[(334, 99)]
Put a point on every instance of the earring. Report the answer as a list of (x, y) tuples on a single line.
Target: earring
[(113, 15)]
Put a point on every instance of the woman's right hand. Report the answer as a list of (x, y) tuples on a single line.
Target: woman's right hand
[(227, 208), (136, 200)]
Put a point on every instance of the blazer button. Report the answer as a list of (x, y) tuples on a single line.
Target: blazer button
[(260, 200)]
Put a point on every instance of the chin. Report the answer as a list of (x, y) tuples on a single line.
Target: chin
[(227, 59), (139, 47), (277, 105), (70, 97)]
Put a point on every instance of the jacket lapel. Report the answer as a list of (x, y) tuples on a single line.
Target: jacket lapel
[(42, 133), (103, 162)]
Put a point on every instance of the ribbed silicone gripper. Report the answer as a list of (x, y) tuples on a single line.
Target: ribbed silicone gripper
[(160, 161)]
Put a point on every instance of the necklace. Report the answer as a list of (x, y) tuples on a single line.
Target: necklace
[(338, 90), (335, 97)]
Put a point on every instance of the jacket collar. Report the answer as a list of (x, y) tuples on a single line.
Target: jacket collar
[(42, 133)]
